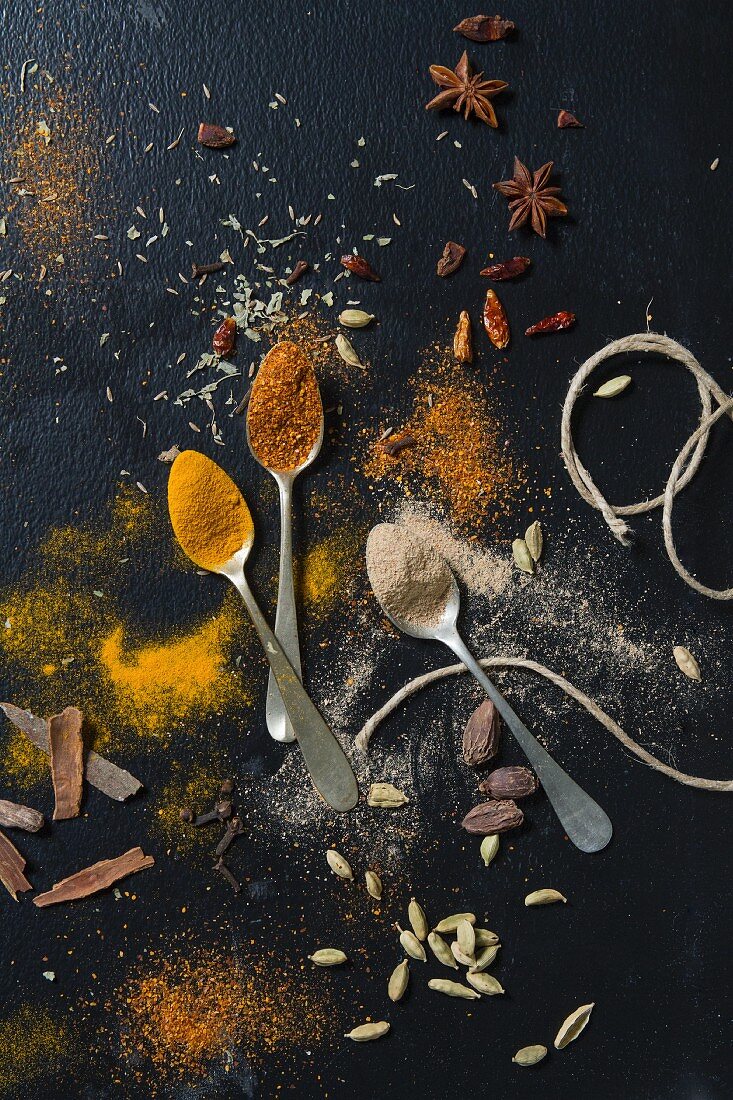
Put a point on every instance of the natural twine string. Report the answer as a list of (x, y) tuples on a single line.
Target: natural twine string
[(679, 477), (411, 688)]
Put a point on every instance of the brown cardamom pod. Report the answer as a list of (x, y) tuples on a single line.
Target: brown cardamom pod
[(516, 782), (481, 735), (493, 817)]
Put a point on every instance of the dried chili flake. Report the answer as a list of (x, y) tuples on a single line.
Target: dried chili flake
[(558, 322), (495, 320), (507, 269), (566, 121), (298, 272), (214, 137), (392, 447), (484, 28), (224, 337), (452, 258), (357, 265)]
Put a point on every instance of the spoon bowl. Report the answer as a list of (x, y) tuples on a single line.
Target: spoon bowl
[(586, 824)]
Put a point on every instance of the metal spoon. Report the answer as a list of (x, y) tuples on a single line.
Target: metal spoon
[(286, 618), (586, 824), (326, 761)]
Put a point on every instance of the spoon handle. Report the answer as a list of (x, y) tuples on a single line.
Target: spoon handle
[(586, 824), (286, 619), (326, 761)]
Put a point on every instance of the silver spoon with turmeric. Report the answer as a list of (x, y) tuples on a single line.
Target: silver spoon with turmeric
[(285, 433), (214, 527), (418, 593)]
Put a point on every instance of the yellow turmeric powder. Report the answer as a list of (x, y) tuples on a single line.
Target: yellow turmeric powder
[(210, 516)]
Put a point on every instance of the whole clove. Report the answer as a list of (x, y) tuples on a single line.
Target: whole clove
[(197, 270), (186, 815), (221, 812), (392, 447), (223, 870), (234, 828), (298, 272), (226, 789), (242, 406)]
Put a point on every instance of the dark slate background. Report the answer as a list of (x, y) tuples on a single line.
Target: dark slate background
[(648, 937)]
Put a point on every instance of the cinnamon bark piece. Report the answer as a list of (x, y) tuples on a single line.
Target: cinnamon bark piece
[(16, 816), (67, 762), (101, 773), (95, 878), (12, 866)]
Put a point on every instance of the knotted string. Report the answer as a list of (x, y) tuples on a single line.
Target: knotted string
[(680, 475)]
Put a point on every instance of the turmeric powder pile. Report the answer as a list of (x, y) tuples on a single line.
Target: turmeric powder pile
[(210, 516), (285, 412)]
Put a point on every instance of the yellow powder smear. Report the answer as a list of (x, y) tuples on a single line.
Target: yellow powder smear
[(327, 568), (32, 1045), (210, 516), (157, 686)]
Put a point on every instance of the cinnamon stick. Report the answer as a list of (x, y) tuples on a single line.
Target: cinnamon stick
[(67, 762), (100, 772), (95, 878), (12, 866), (20, 817)]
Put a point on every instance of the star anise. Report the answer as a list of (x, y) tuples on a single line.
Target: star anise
[(464, 91), (531, 198)]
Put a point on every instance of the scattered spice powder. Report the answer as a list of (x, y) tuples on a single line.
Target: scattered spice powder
[(33, 1045), (460, 457), (190, 1014), (327, 568), (285, 413)]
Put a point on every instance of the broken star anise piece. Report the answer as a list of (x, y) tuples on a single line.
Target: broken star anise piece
[(531, 198), (464, 91)]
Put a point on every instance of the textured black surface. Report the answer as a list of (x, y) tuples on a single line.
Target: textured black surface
[(648, 934)]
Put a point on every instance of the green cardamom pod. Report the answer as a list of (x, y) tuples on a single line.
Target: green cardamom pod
[(328, 956), (398, 981), (346, 350), (614, 386), (484, 983), (484, 958), (466, 937), (530, 1056), (338, 864), (441, 950), (489, 849), (355, 318), (686, 662), (364, 1033), (411, 944), (449, 924), (534, 540), (418, 920), (544, 897), (571, 1028), (453, 989), (386, 796), (373, 884), (485, 938), (522, 557), (458, 955)]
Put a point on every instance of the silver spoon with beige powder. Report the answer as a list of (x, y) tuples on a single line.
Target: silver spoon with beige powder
[(418, 593)]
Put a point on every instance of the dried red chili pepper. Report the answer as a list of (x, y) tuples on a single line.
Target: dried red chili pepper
[(508, 269), (556, 323), (298, 272), (214, 137), (451, 260), (357, 265), (484, 28), (495, 320), (566, 121), (224, 337)]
